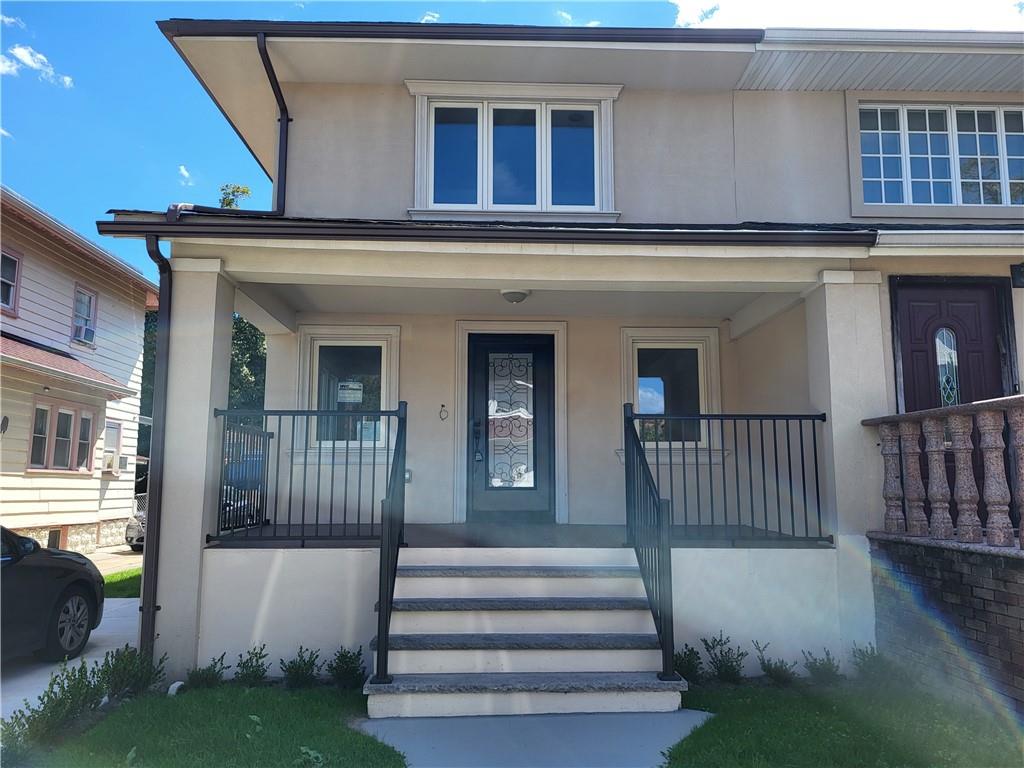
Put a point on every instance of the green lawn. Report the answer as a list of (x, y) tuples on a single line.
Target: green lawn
[(123, 583), (848, 725), (229, 727)]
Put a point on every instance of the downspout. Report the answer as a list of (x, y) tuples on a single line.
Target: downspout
[(175, 210), (151, 552)]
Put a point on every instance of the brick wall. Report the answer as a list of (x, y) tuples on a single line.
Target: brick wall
[(952, 613)]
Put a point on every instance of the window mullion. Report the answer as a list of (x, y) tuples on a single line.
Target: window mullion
[(954, 140), (908, 198), (1003, 155)]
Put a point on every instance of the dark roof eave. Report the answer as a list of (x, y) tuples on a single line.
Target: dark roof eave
[(381, 230), (172, 28)]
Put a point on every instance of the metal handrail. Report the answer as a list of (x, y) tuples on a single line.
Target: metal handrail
[(649, 529), (391, 536)]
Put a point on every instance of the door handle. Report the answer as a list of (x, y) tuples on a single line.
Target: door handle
[(477, 453)]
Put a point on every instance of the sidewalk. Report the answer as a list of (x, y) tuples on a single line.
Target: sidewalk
[(113, 559)]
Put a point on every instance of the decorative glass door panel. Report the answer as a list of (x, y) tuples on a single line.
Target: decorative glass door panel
[(511, 428)]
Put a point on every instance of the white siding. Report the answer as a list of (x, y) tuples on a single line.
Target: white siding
[(49, 273)]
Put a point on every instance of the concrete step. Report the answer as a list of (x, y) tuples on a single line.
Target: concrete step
[(560, 584), (517, 556), (529, 693), (519, 571)]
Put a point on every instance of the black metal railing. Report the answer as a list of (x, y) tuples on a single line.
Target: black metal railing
[(295, 476), (737, 476), (649, 530), (391, 538)]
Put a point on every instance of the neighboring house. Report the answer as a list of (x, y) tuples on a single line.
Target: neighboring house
[(486, 242), (70, 370)]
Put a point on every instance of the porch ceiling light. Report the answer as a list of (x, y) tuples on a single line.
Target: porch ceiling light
[(513, 296)]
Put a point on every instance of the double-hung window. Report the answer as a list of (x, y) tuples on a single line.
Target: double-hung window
[(10, 274), (83, 328), (939, 155), (61, 437), (480, 152), (114, 461)]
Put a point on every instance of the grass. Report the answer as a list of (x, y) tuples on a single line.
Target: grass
[(840, 726), (229, 727), (123, 583)]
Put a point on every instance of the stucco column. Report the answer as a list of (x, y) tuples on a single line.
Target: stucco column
[(200, 354), (845, 363)]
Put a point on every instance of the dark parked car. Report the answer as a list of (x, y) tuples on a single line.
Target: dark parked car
[(52, 600)]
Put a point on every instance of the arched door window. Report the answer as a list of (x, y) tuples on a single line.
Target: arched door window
[(945, 357)]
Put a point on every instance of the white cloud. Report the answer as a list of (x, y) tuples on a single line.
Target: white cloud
[(11, 21), (5, 134), (430, 17), (186, 177), (592, 24), (564, 16), (29, 57), (8, 66), (989, 15)]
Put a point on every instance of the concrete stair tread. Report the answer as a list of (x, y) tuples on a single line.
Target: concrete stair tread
[(526, 682), (555, 641), (409, 604), (519, 571)]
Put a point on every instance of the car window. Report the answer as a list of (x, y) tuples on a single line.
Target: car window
[(8, 546)]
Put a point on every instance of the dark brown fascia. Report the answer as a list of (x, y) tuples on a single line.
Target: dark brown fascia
[(275, 228), (172, 28)]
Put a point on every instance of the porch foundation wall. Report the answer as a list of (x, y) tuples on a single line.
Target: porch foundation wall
[(318, 598), (952, 615)]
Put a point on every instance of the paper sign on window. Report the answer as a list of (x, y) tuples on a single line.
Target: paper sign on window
[(350, 392)]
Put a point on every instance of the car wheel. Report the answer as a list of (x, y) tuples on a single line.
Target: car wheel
[(70, 625), (136, 547)]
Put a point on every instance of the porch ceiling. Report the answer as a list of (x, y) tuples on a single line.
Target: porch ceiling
[(350, 299)]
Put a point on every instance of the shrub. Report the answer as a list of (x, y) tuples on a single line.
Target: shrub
[(726, 661), (777, 670), (874, 667), (823, 670), (688, 664), (73, 691), (252, 668), (302, 671), (209, 676), (128, 672), (347, 669)]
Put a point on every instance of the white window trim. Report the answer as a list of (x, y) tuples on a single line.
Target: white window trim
[(311, 339), (855, 101), (485, 96), (115, 470), (704, 340)]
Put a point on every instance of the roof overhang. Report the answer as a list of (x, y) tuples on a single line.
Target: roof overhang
[(222, 54), (53, 365)]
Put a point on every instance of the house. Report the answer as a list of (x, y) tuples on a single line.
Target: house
[(570, 335), (70, 371)]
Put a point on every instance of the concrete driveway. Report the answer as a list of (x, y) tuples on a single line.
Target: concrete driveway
[(26, 678)]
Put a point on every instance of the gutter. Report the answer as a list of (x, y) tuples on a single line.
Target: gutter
[(151, 552), (175, 210)]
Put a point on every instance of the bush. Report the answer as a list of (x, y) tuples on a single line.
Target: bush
[(874, 667), (824, 670), (302, 671), (726, 661), (688, 664), (778, 671), (347, 669), (252, 668), (128, 672), (209, 676), (72, 692)]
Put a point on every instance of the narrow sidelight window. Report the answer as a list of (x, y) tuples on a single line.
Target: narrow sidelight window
[(946, 359), (40, 437), (572, 157), (978, 147), (456, 155)]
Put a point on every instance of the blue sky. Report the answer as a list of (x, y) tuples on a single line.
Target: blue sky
[(97, 111)]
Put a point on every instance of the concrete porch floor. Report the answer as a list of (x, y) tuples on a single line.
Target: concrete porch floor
[(604, 740)]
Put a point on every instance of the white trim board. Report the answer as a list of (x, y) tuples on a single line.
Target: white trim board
[(463, 328)]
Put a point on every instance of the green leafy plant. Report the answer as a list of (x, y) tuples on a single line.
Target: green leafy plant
[(824, 670), (872, 666), (209, 676), (725, 660), (72, 692), (688, 663), (777, 670), (251, 669), (128, 672), (302, 671), (346, 668)]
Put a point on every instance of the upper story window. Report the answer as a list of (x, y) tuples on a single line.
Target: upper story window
[(10, 279), (83, 327), (485, 147), (941, 155)]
